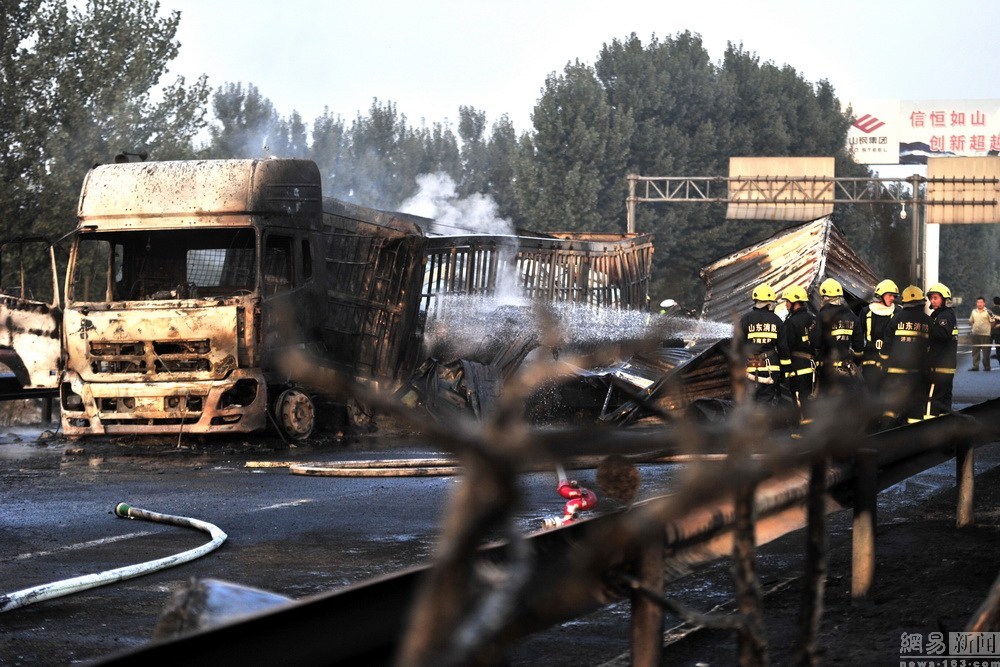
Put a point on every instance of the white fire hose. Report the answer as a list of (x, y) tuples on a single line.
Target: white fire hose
[(82, 583)]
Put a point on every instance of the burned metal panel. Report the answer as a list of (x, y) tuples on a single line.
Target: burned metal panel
[(236, 404), (802, 255), (684, 376), (204, 192), (30, 315), (373, 266), (175, 344)]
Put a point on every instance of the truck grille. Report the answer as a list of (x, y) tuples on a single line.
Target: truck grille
[(158, 356)]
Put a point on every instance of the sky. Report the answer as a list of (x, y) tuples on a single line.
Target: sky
[(431, 57)]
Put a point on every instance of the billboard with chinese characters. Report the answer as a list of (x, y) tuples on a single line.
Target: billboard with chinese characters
[(910, 131)]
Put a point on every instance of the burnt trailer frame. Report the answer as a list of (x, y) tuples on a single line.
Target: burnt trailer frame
[(391, 273), (135, 344)]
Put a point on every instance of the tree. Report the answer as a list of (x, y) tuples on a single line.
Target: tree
[(246, 122), (474, 153), (571, 173), (501, 183), (290, 137), (329, 148), (80, 85)]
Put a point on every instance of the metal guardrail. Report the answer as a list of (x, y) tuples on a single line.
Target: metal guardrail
[(366, 622)]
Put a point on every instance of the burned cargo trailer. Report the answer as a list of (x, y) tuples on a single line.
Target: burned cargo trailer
[(188, 280)]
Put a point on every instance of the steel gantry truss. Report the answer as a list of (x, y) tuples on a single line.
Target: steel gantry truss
[(799, 190)]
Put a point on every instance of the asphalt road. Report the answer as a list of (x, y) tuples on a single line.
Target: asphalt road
[(290, 534)]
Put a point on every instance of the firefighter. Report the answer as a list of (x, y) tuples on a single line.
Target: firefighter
[(943, 349), (842, 340), (757, 339), (800, 337), (904, 354), (874, 322)]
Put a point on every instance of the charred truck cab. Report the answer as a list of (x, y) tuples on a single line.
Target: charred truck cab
[(185, 279)]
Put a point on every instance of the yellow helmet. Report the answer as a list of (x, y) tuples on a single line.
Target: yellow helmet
[(941, 289), (763, 292), (912, 294), (831, 287), (795, 294), (886, 287)]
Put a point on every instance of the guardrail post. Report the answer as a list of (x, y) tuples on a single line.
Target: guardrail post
[(647, 616), (965, 480), (863, 532)]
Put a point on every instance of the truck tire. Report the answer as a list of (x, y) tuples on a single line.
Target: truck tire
[(295, 414)]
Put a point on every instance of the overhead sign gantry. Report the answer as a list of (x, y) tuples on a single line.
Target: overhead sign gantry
[(956, 190)]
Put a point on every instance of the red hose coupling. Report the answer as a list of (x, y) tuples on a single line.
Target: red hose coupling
[(580, 499)]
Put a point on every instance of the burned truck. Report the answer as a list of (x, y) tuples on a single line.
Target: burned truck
[(186, 282)]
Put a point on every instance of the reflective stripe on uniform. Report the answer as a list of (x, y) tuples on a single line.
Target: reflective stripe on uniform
[(943, 371), (786, 362), (902, 371), (842, 332), (869, 362), (766, 335), (903, 333), (801, 371), (763, 369)]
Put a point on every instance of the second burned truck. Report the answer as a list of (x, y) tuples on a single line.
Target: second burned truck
[(187, 279)]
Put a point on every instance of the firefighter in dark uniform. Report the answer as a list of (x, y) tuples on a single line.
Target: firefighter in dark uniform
[(800, 336), (842, 341), (905, 350), (944, 349), (757, 338), (874, 322)]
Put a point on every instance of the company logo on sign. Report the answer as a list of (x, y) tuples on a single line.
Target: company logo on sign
[(868, 123)]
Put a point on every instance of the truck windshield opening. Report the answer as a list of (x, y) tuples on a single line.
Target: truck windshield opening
[(164, 264)]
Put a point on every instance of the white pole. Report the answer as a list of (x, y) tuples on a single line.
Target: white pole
[(931, 254)]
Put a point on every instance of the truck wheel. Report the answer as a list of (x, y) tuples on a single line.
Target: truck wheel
[(295, 414)]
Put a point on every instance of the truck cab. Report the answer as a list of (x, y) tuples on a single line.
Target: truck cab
[(185, 280)]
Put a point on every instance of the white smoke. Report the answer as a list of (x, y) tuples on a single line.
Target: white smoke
[(476, 214), (437, 199)]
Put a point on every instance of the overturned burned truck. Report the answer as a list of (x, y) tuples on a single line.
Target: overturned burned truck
[(187, 280)]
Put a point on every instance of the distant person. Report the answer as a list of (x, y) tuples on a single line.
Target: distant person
[(800, 337), (905, 350), (943, 353), (757, 338), (875, 322), (842, 341), (996, 329), (981, 320)]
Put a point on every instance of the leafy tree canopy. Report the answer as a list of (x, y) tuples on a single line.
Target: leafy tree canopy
[(78, 85)]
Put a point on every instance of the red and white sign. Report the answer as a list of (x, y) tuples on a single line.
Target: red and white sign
[(910, 131)]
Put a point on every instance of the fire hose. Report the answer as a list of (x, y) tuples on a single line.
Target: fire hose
[(86, 582)]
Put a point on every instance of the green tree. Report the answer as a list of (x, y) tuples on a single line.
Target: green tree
[(290, 137), (502, 152), (81, 84), (435, 150), (329, 149), (571, 173), (246, 122), (474, 153)]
